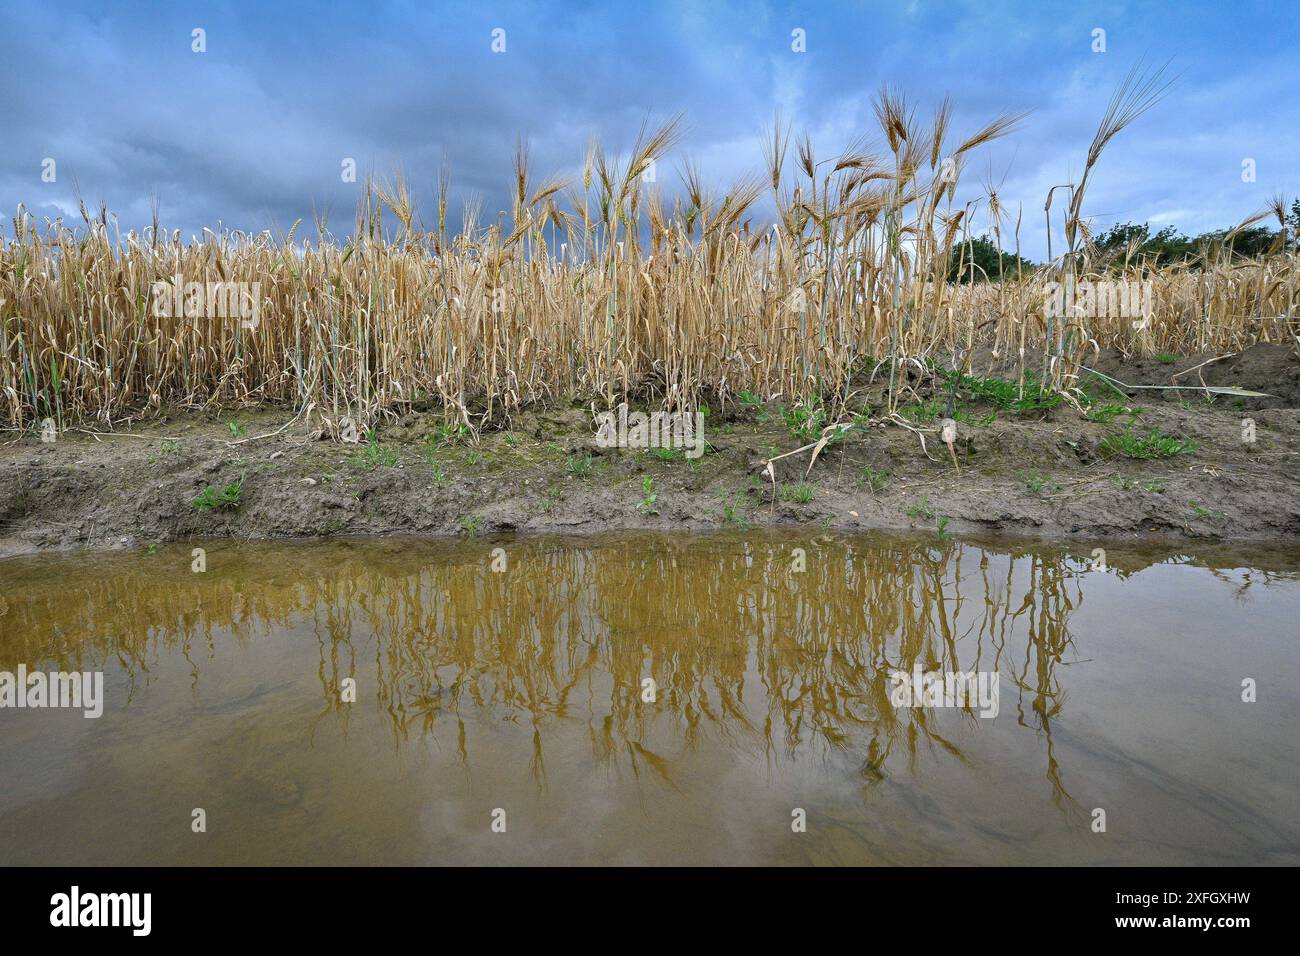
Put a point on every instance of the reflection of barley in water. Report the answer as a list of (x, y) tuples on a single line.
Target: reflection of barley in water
[(747, 666), (739, 655)]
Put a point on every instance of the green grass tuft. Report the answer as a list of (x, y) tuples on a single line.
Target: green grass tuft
[(225, 498), (800, 494), (375, 455), (1154, 444), (581, 466)]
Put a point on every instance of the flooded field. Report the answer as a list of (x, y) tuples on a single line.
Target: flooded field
[(652, 699)]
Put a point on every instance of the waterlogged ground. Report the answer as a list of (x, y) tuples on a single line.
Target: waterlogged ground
[(520, 690)]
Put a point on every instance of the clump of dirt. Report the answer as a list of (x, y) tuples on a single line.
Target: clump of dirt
[(1150, 465)]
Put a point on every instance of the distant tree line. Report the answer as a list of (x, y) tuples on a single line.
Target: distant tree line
[(978, 259)]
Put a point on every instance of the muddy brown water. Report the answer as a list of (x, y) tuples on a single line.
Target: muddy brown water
[(517, 696)]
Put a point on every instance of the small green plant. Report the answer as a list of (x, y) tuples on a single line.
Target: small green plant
[(1006, 394), (471, 525), (930, 411), (749, 401), (435, 466), (922, 412), (800, 494), (666, 454), (451, 433), (982, 421), (1154, 444), (375, 455), (1191, 405), (581, 466), (1110, 411), (225, 498), (1167, 358), (235, 428), (941, 527), (806, 420), (648, 497), (731, 514), (921, 509), (875, 478), (167, 447), (473, 457), (1205, 514), (1037, 482), (512, 439)]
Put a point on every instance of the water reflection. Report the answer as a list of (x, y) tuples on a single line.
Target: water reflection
[(778, 667)]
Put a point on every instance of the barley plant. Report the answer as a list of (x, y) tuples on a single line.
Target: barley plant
[(601, 288)]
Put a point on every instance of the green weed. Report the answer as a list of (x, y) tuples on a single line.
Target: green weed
[(921, 509), (1109, 412), (1154, 444), (374, 454), (225, 498), (581, 466), (1037, 482), (648, 497), (875, 478), (800, 494)]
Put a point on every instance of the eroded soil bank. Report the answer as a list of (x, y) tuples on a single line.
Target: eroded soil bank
[(1039, 471)]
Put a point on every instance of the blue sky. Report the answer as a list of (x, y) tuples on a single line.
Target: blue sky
[(251, 133)]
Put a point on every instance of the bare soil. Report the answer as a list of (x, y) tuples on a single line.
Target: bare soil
[(1042, 473)]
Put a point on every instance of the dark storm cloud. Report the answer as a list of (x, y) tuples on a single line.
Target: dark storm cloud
[(251, 133)]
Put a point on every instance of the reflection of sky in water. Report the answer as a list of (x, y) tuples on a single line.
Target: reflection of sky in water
[(522, 690)]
